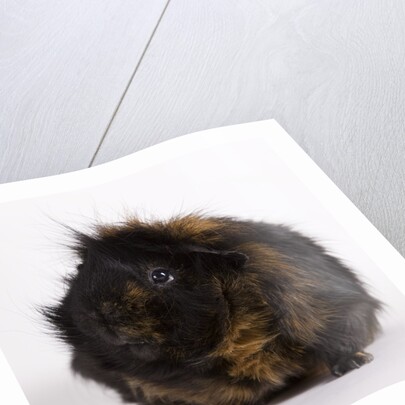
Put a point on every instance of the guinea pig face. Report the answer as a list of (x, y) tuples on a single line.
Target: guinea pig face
[(153, 302)]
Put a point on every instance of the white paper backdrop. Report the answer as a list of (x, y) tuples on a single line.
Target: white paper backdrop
[(250, 171)]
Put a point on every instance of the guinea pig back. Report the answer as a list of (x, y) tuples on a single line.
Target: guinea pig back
[(200, 310)]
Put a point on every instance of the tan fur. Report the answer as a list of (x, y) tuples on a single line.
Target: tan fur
[(207, 391), (193, 227), (145, 326), (250, 349), (306, 324), (198, 229)]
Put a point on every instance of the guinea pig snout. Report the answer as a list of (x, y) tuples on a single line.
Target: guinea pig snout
[(115, 315), (100, 323), (111, 313), (122, 325)]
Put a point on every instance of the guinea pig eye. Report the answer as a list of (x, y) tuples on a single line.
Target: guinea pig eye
[(161, 276)]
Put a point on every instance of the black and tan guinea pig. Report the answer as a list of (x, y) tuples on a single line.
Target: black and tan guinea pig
[(201, 310)]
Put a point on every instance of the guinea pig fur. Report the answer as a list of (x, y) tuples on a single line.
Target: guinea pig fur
[(201, 310)]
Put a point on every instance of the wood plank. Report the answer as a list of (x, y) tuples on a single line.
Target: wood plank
[(63, 68), (330, 72)]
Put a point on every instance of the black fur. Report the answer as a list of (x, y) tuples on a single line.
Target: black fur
[(167, 334)]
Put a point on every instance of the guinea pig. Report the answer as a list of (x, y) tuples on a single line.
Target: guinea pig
[(201, 310)]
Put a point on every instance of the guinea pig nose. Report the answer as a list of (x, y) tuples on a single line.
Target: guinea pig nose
[(110, 312), (109, 317)]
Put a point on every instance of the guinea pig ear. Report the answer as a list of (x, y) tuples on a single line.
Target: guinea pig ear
[(232, 257), (237, 259)]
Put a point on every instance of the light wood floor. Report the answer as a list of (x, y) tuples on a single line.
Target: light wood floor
[(85, 82)]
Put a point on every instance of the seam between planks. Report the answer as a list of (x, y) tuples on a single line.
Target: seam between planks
[(128, 85)]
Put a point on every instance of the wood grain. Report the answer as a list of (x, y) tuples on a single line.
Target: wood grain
[(63, 68), (330, 72)]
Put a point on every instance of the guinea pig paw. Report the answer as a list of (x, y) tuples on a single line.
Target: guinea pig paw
[(347, 364)]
